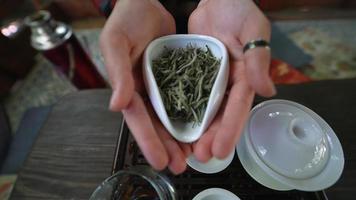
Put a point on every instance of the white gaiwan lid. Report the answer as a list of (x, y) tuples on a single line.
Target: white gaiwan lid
[(288, 140), (292, 145)]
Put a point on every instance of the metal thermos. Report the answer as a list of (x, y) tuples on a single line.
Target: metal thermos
[(60, 46)]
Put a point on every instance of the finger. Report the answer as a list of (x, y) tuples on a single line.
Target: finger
[(176, 155), (233, 46), (186, 148), (235, 114), (115, 50), (257, 60), (202, 148), (141, 126), (177, 163)]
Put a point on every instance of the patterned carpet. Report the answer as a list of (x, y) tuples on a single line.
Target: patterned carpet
[(332, 58)]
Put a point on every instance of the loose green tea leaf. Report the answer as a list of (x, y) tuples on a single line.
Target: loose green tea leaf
[(185, 77)]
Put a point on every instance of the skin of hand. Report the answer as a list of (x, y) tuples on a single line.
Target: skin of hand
[(129, 29), (234, 22)]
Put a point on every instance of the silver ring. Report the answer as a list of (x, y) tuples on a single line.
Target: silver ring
[(256, 43)]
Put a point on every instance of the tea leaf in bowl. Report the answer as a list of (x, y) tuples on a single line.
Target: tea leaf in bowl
[(185, 77)]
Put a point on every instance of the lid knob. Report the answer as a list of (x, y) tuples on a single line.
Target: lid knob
[(46, 32)]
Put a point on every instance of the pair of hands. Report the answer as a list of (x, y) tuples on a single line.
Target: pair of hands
[(135, 23)]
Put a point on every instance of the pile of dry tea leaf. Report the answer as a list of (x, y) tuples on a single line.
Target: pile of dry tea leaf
[(185, 77)]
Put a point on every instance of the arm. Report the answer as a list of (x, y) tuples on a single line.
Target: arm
[(235, 23), (130, 27)]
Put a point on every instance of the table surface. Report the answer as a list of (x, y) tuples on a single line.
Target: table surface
[(74, 150)]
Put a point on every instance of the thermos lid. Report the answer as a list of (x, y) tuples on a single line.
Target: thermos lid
[(46, 32), (287, 146)]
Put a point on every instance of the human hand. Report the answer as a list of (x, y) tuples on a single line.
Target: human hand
[(234, 22), (130, 27)]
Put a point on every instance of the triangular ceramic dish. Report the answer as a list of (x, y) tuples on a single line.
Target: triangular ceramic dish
[(186, 132)]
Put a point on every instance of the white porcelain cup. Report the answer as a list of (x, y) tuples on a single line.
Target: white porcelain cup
[(216, 194)]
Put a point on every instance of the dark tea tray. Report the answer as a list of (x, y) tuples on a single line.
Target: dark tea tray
[(190, 183)]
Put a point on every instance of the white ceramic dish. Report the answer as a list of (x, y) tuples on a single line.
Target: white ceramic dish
[(214, 165), (216, 194), (287, 146), (185, 132)]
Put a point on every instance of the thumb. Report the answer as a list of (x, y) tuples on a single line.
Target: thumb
[(115, 51)]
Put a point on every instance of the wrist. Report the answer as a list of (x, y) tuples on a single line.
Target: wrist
[(104, 6), (260, 3), (158, 5)]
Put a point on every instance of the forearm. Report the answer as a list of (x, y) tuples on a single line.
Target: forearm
[(105, 7)]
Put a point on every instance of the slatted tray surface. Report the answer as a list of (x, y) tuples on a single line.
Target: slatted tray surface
[(190, 183)]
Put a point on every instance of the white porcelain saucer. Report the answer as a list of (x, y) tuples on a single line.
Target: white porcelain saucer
[(214, 165), (287, 146)]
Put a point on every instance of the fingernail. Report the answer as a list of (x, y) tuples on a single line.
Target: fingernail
[(113, 100), (274, 90), (220, 153)]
